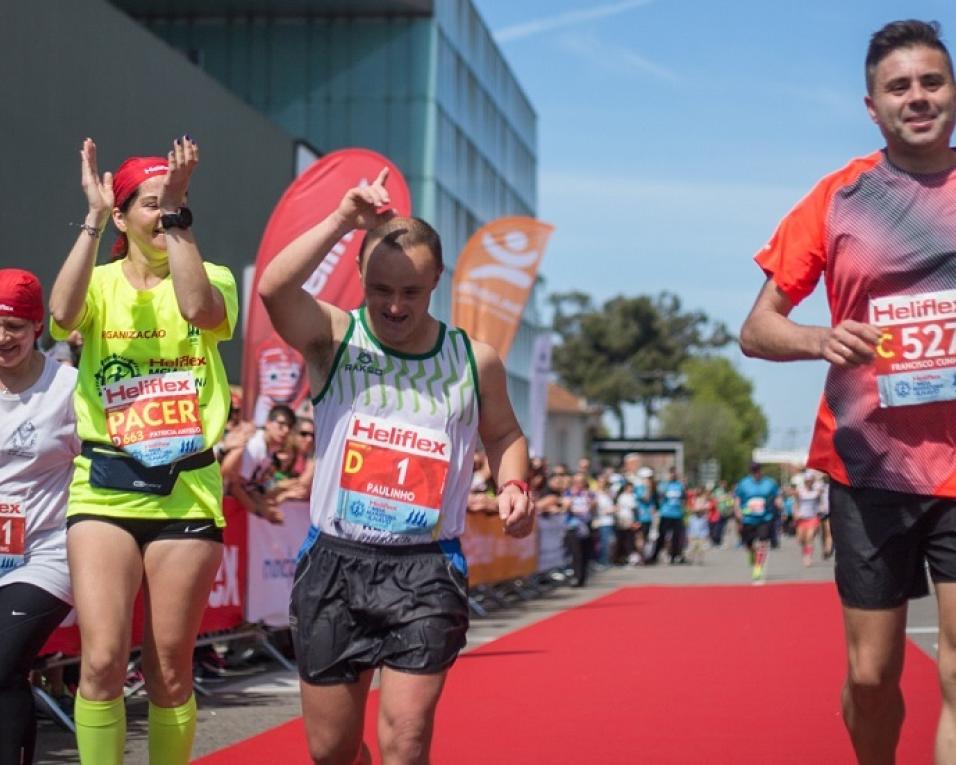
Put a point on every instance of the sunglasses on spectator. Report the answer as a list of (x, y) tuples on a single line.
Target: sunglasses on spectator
[(307, 433)]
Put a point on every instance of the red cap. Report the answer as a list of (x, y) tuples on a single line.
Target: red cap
[(20, 294), (127, 178)]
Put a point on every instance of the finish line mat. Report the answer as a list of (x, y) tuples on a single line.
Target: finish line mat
[(655, 674)]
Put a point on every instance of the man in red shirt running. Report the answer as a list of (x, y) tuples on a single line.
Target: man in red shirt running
[(883, 231)]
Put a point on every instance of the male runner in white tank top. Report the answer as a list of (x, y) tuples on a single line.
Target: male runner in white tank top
[(400, 400)]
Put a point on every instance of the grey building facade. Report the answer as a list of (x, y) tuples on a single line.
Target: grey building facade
[(76, 69), (421, 81)]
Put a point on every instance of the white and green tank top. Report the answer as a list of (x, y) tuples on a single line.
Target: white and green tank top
[(395, 439)]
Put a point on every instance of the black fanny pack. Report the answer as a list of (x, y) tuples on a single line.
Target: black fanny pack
[(115, 469)]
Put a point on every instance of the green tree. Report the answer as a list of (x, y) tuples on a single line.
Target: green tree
[(716, 392), (714, 378), (709, 430), (630, 350)]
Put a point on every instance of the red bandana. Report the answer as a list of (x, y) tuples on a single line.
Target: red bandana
[(127, 178), (20, 294)]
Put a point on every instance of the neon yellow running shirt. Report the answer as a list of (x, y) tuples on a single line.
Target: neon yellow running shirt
[(130, 334)]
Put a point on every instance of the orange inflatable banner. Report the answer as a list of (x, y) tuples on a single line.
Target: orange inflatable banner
[(494, 276)]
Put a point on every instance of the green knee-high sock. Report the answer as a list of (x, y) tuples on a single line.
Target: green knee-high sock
[(171, 732), (100, 730)]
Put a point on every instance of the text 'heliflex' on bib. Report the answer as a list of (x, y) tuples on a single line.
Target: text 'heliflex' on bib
[(13, 533), (154, 418), (915, 359), (755, 506), (393, 475)]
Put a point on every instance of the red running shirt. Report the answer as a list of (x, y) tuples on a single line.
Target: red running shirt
[(885, 241)]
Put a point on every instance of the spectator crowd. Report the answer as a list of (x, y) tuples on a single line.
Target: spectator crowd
[(630, 515)]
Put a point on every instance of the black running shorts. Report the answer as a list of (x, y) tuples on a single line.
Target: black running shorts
[(357, 606), (751, 532), (146, 530), (883, 541)]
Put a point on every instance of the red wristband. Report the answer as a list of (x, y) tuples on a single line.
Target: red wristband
[(514, 482)]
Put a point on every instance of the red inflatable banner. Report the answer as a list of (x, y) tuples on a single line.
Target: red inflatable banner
[(272, 372)]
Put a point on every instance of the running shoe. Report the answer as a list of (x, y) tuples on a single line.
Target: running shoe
[(757, 573)]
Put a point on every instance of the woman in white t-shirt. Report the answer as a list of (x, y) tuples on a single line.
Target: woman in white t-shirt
[(37, 445), (806, 513), (625, 518), (603, 523)]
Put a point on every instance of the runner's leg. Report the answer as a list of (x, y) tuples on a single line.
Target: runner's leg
[(406, 716), (28, 615), (179, 576), (334, 716), (946, 733), (761, 555), (826, 538), (106, 568), (872, 700)]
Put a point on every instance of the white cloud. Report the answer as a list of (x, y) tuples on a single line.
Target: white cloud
[(570, 18), (614, 58)]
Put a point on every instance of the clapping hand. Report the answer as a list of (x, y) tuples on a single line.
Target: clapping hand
[(182, 160), (99, 191)]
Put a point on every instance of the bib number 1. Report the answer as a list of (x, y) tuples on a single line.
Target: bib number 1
[(393, 476)]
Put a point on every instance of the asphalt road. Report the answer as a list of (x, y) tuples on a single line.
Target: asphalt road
[(242, 707)]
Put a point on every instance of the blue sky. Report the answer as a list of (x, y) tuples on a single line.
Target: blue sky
[(674, 134)]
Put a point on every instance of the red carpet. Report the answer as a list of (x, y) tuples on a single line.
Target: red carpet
[(657, 675)]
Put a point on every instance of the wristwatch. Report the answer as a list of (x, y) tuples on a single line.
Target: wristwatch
[(514, 482), (182, 218)]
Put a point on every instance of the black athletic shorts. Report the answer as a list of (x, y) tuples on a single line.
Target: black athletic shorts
[(883, 541), (146, 530), (357, 606), (751, 532)]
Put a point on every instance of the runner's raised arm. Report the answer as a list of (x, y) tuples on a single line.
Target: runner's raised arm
[(299, 319), (69, 290), (199, 302)]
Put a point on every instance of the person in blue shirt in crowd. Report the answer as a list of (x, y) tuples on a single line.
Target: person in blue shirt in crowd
[(673, 496), (757, 500)]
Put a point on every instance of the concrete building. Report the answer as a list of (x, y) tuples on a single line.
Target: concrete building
[(77, 69), (419, 81)]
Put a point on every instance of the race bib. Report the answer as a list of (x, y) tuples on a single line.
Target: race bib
[(154, 418), (915, 359), (393, 476), (755, 506), (13, 533)]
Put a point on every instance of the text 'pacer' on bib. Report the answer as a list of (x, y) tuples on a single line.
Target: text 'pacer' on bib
[(154, 418), (393, 475)]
